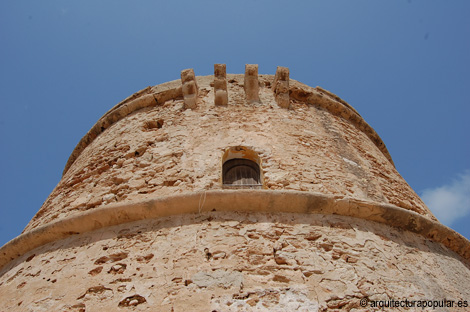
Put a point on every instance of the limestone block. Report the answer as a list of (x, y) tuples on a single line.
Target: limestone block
[(251, 84), (189, 88), (281, 87), (218, 278), (220, 85)]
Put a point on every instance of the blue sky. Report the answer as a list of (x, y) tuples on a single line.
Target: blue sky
[(403, 64)]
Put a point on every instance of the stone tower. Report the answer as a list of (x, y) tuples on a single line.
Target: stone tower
[(232, 193)]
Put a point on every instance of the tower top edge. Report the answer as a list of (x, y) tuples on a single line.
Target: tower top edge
[(177, 89)]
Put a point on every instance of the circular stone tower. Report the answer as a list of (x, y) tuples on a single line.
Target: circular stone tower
[(232, 193)]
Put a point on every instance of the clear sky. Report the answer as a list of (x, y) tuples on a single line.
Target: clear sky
[(403, 64)]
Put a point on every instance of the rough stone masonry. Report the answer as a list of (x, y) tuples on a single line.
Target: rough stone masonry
[(144, 218)]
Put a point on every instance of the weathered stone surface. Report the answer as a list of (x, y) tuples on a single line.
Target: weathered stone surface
[(330, 262), (251, 83), (281, 87), (220, 85), (189, 88), (218, 279), (305, 149), (335, 223)]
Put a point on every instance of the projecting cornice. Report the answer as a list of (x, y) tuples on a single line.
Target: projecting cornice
[(261, 201)]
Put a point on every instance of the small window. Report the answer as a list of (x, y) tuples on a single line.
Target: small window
[(242, 172), (241, 169)]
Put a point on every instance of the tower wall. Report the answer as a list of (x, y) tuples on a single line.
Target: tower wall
[(163, 149), (141, 219), (234, 261)]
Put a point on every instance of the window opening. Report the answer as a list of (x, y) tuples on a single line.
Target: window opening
[(241, 172), (241, 169)]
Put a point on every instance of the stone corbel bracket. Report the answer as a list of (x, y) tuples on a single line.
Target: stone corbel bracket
[(220, 84), (281, 87), (251, 83), (189, 88)]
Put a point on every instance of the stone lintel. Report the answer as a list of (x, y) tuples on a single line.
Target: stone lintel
[(189, 88), (220, 85), (281, 87), (251, 83)]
